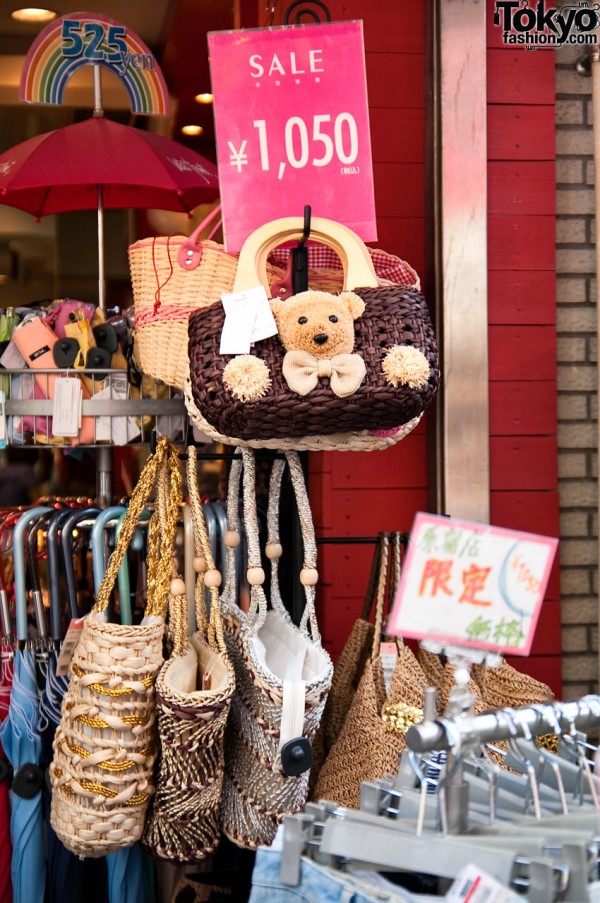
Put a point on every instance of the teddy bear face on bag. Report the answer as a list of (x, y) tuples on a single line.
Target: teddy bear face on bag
[(319, 323)]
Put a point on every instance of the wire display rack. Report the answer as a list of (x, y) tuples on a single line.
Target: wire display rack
[(122, 414)]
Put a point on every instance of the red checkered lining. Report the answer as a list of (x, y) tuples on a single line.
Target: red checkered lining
[(320, 257)]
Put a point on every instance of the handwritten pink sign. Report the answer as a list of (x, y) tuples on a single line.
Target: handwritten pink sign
[(292, 126), (470, 584)]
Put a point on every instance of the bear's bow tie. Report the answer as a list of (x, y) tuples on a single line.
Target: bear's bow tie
[(302, 371)]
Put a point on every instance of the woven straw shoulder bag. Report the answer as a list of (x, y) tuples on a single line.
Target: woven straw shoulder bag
[(194, 690), (366, 748), (283, 675), (348, 667), (105, 744)]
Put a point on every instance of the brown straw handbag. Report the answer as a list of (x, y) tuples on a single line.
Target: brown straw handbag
[(505, 686), (348, 669), (194, 690), (282, 672), (105, 744), (366, 747), (385, 384)]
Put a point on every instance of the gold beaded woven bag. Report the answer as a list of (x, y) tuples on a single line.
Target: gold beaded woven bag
[(194, 690), (282, 672), (105, 744)]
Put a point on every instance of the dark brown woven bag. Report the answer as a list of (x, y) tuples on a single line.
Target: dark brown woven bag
[(395, 321)]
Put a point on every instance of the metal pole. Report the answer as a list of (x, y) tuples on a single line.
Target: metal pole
[(104, 470), (98, 111), (104, 463)]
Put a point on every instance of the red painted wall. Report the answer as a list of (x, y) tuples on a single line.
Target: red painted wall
[(360, 494)]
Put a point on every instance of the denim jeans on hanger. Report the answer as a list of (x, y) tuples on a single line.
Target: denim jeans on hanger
[(317, 885)]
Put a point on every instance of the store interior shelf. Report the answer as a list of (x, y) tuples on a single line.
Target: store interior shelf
[(117, 413)]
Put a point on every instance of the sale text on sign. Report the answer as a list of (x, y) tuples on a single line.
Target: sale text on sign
[(292, 126), (472, 584)]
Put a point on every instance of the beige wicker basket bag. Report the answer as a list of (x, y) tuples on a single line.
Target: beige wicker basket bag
[(172, 276), (194, 690), (283, 675), (105, 744)]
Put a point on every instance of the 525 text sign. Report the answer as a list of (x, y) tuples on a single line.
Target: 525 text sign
[(471, 584), (292, 126)]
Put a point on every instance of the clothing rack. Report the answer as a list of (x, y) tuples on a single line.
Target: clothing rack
[(471, 731)]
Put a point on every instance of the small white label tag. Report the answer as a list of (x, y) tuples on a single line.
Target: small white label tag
[(471, 885), (2, 421), (389, 657), (248, 319), (264, 322), (66, 407), (12, 359), (118, 430), (240, 313), (69, 645)]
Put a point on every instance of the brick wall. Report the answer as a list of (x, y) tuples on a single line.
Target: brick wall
[(577, 378)]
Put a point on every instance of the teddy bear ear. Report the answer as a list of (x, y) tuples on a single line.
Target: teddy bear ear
[(355, 304)]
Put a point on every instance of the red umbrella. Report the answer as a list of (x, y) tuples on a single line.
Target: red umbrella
[(99, 164), (63, 170)]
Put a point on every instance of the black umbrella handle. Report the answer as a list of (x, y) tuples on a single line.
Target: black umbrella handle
[(66, 545), (54, 569)]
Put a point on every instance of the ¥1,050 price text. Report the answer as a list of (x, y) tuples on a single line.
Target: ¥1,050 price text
[(319, 143)]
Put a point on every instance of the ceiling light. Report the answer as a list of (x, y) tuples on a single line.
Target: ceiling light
[(192, 129), (33, 14), (203, 98)]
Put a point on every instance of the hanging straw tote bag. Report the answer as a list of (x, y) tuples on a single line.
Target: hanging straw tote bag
[(194, 690), (105, 744), (348, 668), (371, 740), (282, 672)]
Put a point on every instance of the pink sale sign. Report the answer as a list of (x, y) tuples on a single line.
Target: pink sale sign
[(292, 126)]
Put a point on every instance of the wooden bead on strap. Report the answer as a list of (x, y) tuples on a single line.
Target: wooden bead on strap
[(212, 578), (309, 576), (199, 564), (232, 539), (256, 576), (273, 550), (177, 587)]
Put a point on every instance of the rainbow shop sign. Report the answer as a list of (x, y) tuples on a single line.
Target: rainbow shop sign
[(84, 39)]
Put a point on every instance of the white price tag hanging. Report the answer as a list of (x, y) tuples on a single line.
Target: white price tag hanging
[(66, 407), (69, 645), (389, 657), (12, 359), (472, 885), (248, 319)]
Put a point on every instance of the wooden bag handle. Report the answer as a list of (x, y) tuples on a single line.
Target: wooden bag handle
[(355, 257)]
